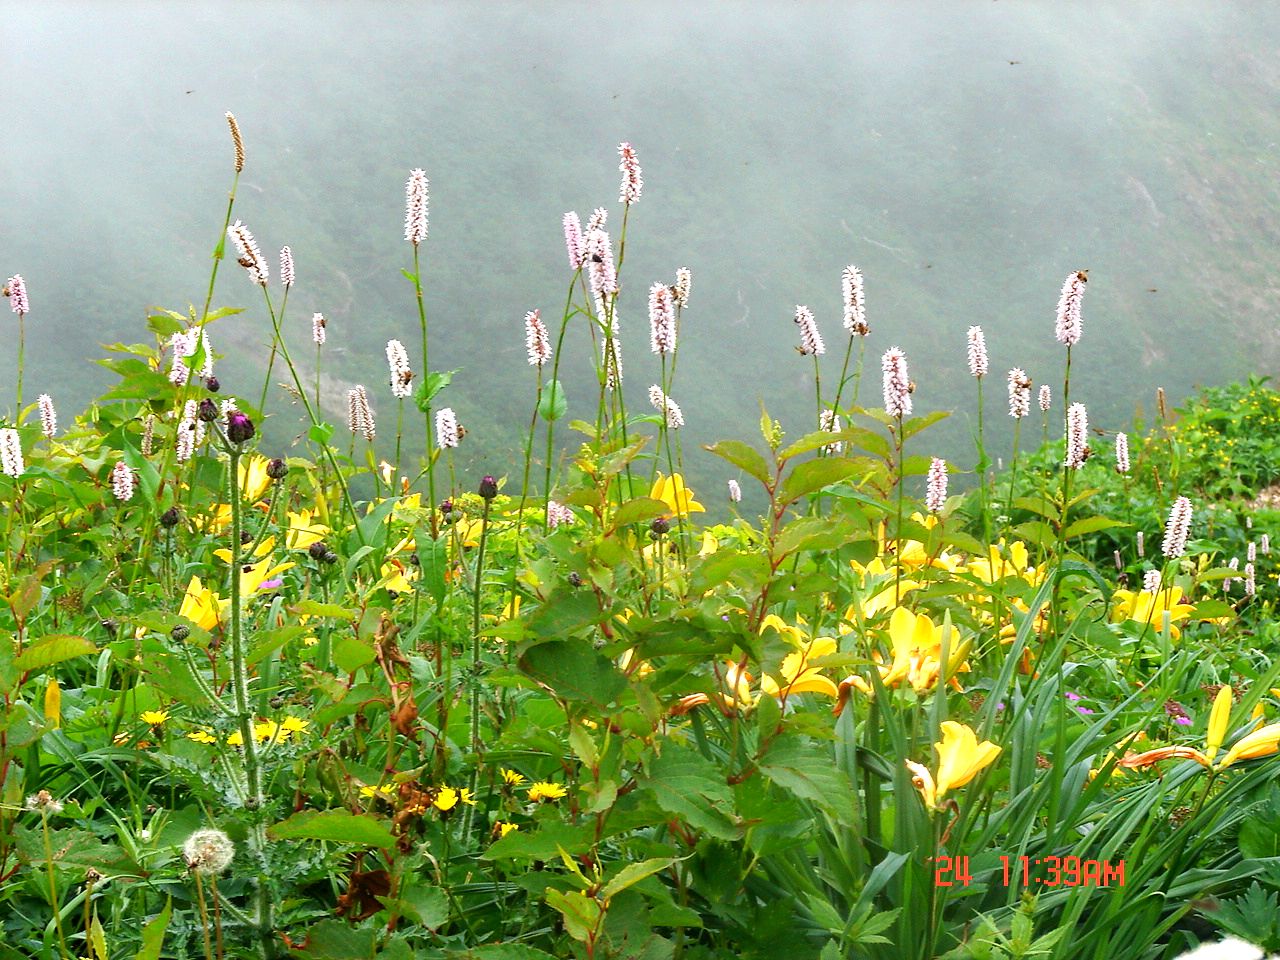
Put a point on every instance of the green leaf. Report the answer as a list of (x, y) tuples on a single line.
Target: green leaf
[(351, 653), (507, 951), (1091, 525), (689, 786), (581, 914), (98, 939), (913, 426), (430, 386), (320, 433), (633, 873), (812, 475), (313, 608), (52, 650), (433, 561), (336, 826), (744, 457), (575, 671), (426, 906), (807, 770), (153, 933), (553, 403), (637, 510)]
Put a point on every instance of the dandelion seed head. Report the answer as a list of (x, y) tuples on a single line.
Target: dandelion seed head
[(896, 382), (208, 852), (415, 206), (43, 801)]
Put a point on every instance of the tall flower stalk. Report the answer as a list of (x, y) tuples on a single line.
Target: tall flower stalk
[(855, 324), (16, 290), (979, 366), (897, 404), (415, 232)]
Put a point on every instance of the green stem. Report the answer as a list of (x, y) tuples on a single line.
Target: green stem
[(426, 385)]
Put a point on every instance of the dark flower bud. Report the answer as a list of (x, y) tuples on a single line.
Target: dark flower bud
[(207, 410), (239, 427), (171, 517), (575, 580), (660, 525), (245, 537), (110, 626), (488, 487), (277, 469), (330, 557), (318, 550), (446, 507), (212, 384), (276, 702), (415, 559), (180, 632)]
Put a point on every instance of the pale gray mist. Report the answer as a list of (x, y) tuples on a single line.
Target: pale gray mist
[(966, 156)]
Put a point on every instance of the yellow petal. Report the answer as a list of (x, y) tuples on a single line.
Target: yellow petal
[(1219, 718), (1261, 743), (922, 780)]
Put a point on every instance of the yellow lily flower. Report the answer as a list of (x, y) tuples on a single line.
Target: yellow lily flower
[(960, 759), (890, 591), (202, 606), (302, 533), (1146, 607), (253, 575), (218, 519), (799, 677), (917, 650), (672, 491), (1004, 561), (252, 475), (1261, 743), (1219, 717)]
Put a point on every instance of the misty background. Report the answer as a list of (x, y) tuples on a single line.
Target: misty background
[(966, 157)]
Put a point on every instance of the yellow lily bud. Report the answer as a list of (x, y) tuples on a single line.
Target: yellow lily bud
[(1219, 718), (53, 702)]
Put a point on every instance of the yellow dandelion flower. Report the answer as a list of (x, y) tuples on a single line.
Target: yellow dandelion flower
[(154, 717), (544, 790)]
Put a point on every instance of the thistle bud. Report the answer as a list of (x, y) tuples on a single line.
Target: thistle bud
[(171, 518), (277, 469), (207, 410), (239, 427), (318, 549), (212, 384), (660, 525), (488, 487)]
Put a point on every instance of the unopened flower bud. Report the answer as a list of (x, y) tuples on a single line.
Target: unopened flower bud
[(180, 632), (277, 469), (239, 427), (207, 410), (318, 549), (660, 525), (212, 384), (171, 517), (488, 487)]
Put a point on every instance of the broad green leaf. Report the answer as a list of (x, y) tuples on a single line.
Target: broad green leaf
[(336, 826), (313, 608), (743, 456), (506, 951), (430, 386), (632, 874), (553, 402), (1091, 525), (581, 914), (637, 510), (351, 653), (53, 650), (426, 906), (575, 671), (689, 786), (807, 770), (813, 475)]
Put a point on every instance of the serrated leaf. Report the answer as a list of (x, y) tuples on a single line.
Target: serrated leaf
[(638, 510), (336, 826), (53, 650), (575, 671), (581, 914), (689, 786)]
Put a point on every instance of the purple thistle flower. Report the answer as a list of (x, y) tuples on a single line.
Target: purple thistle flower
[(16, 290), (897, 383), (1069, 320), (810, 338), (239, 427), (632, 182), (415, 206), (1077, 436), (935, 497), (662, 319), (1177, 529)]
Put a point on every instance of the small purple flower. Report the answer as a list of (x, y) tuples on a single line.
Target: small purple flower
[(239, 427), (273, 584), (1182, 721), (1084, 710), (1073, 697)]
